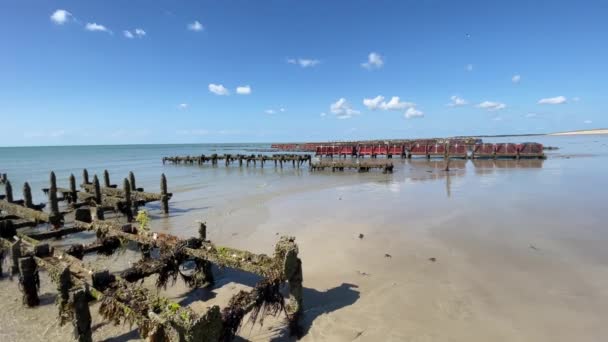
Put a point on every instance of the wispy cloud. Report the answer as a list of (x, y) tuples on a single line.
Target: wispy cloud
[(374, 61), (218, 89), (587, 121), (139, 33), (183, 106), (243, 90), (394, 103), (61, 16), (274, 111), (492, 106), (342, 109), (94, 27), (469, 67), (196, 26), (516, 79), (457, 101), (304, 62), (412, 112), (576, 99), (553, 100)]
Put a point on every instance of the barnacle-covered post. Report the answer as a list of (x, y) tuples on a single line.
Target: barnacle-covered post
[(202, 230), (85, 176), (73, 191), (27, 195), (53, 195), (8, 189), (82, 316), (126, 187), (64, 284), (15, 255), (97, 195), (132, 181), (164, 194), (106, 178), (29, 281), (286, 251)]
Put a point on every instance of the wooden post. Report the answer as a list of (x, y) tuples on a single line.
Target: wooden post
[(29, 281), (164, 194), (15, 255), (85, 176), (8, 188), (96, 190), (202, 230), (132, 181), (64, 286), (126, 187), (82, 316), (53, 195), (27, 195), (73, 191), (106, 178)]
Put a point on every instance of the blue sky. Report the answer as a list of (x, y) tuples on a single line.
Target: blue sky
[(307, 70)]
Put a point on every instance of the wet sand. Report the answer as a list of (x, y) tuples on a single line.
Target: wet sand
[(518, 248)]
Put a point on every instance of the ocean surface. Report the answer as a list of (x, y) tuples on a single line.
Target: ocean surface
[(520, 246)]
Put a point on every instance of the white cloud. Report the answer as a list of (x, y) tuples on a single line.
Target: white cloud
[(270, 111), (243, 90), (282, 110), (61, 16), (553, 100), (183, 106), (374, 61), (323, 114), (218, 89), (196, 26), (128, 34), (342, 109), (413, 113), (469, 67), (587, 121), (516, 78), (304, 62), (457, 101), (492, 106), (140, 32), (94, 27), (373, 104), (394, 103)]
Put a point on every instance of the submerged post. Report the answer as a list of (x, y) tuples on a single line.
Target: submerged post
[(85, 176), (164, 194), (106, 178), (29, 281), (82, 316), (27, 195), (53, 195), (8, 188), (126, 187), (73, 191), (132, 180)]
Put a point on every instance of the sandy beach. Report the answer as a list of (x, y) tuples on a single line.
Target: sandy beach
[(438, 260), (583, 132)]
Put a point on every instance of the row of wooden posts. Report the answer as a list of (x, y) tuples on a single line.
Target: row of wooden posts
[(360, 166), (296, 159), (121, 298)]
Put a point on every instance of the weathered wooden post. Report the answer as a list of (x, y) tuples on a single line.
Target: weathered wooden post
[(53, 195), (98, 209), (8, 188), (106, 178), (202, 230), (85, 176), (29, 281), (73, 191), (286, 251), (15, 255), (27, 196), (126, 188), (164, 194), (82, 316), (132, 181), (64, 285)]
